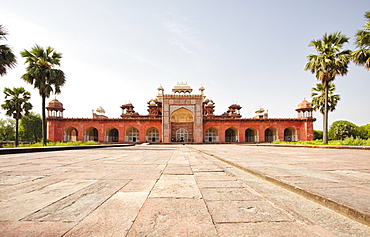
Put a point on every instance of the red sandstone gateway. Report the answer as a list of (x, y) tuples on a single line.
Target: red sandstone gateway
[(180, 117)]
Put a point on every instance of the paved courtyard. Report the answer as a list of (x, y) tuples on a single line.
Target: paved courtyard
[(176, 190)]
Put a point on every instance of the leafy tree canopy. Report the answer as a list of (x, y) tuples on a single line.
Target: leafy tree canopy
[(7, 57), (341, 129), (362, 55), (31, 127), (7, 129)]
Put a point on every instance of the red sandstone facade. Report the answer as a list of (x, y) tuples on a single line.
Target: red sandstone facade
[(180, 117)]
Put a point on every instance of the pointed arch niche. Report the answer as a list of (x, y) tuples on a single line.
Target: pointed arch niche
[(251, 135), (152, 135), (211, 135), (70, 134), (132, 135), (111, 134), (290, 134), (271, 134), (91, 134), (182, 125)]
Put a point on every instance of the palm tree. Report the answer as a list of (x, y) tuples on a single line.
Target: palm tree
[(362, 55), (7, 58), (318, 98), (42, 74), (16, 105), (330, 62)]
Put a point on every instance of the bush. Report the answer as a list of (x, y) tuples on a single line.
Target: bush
[(317, 134), (39, 144), (350, 141)]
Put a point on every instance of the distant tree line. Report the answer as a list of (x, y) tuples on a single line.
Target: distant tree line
[(30, 128), (342, 129)]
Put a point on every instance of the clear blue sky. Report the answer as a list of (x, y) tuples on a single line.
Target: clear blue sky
[(248, 52)]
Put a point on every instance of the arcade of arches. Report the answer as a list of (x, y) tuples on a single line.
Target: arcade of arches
[(211, 135), (180, 117)]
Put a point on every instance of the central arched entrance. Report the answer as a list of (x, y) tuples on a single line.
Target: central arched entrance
[(182, 125), (182, 135)]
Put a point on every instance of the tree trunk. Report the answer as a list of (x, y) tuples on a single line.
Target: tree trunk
[(16, 132), (44, 133), (325, 126)]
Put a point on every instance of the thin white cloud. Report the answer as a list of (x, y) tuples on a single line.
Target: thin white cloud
[(184, 36)]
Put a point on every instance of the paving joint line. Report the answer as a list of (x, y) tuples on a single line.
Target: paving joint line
[(343, 209)]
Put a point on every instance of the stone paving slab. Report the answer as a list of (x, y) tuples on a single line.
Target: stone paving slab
[(246, 212), (113, 218), (176, 186), (34, 228), (276, 229), (171, 169), (139, 186), (173, 217), (31, 202), (228, 194), (78, 205)]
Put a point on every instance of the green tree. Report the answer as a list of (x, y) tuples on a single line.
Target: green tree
[(43, 75), (7, 129), (364, 131), (318, 98), (7, 57), (30, 127), (362, 55), (330, 62), (341, 129), (16, 103)]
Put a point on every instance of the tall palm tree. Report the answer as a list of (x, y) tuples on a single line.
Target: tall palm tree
[(7, 57), (318, 98), (362, 55), (41, 73), (16, 104), (330, 62)]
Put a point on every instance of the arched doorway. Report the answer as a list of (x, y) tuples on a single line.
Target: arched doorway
[(152, 135), (91, 134), (290, 134), (132, 135), (182, 135), (251, 135), (70, 134), (270, 135), (211, 135), (111, 135), (182, 122), (231, 135)]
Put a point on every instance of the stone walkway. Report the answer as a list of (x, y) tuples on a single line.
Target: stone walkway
[(339, 176), (180, 191)]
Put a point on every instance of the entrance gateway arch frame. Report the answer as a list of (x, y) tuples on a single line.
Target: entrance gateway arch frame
[(190, 102)]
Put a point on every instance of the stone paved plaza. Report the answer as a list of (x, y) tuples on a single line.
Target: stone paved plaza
[(177, 190)]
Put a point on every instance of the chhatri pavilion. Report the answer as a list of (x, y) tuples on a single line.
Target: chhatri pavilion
[(180, 116)]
